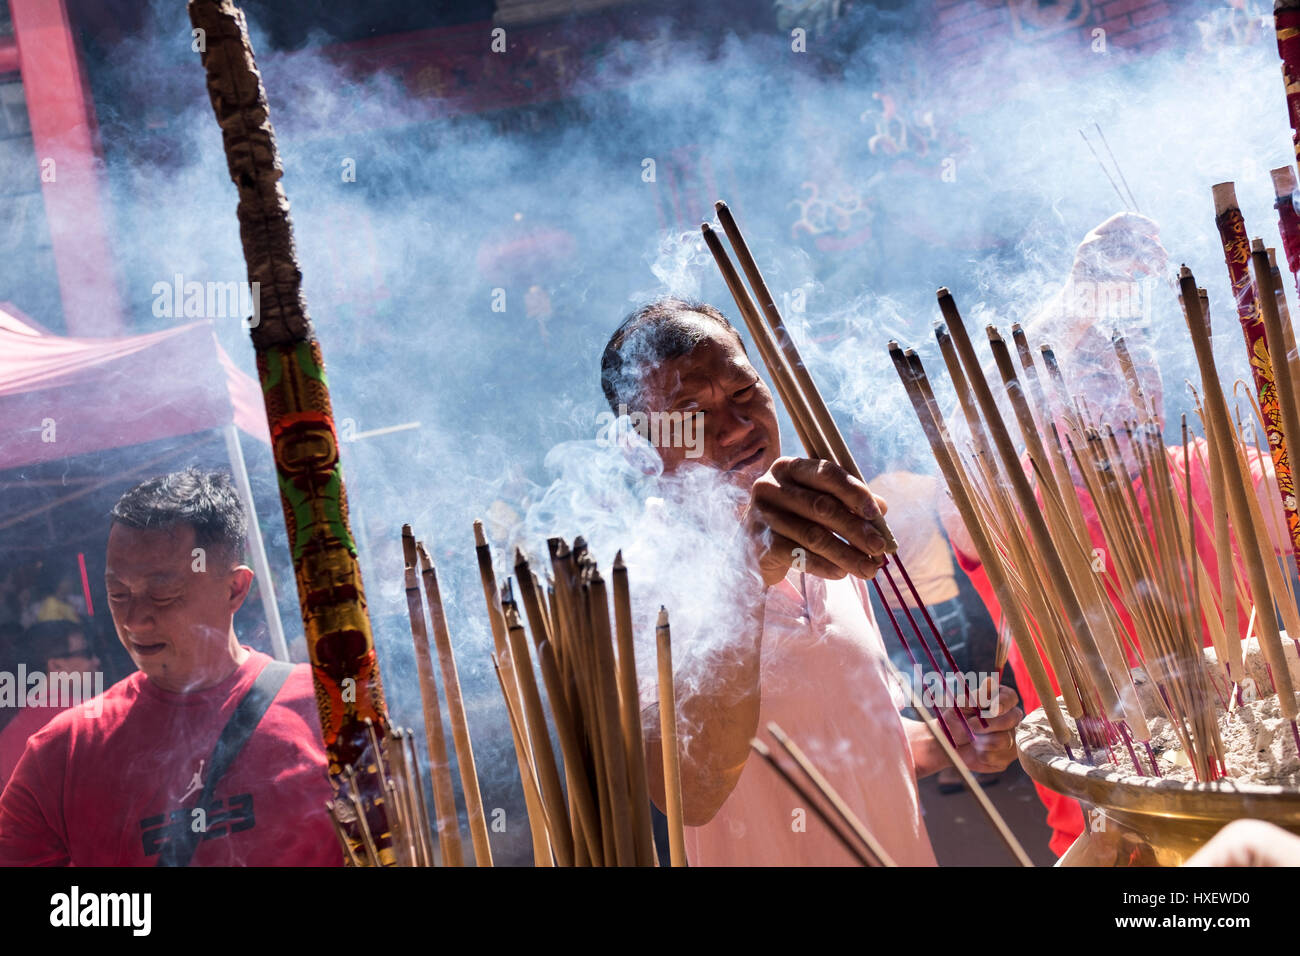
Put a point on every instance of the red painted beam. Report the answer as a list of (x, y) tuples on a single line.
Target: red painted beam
[(63, 134)]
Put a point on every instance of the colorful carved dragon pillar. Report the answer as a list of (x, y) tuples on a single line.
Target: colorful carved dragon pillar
[(303, 438), (1236, 253)]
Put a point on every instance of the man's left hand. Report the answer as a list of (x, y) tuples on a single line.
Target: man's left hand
[(994, 747)]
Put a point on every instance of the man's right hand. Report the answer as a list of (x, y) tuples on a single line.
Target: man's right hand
[(814, 516)]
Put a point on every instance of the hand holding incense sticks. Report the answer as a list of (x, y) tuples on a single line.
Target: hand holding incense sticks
[(822, 440)]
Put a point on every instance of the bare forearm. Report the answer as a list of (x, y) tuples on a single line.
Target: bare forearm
[(927, 756)]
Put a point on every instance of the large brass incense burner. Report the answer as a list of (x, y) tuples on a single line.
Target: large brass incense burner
[(1151, 821), (1145, 821)]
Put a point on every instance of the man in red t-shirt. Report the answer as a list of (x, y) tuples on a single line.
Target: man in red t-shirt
[(123, 787)]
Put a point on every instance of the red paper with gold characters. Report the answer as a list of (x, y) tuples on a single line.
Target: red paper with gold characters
[(1236, 251), (1286, 22)]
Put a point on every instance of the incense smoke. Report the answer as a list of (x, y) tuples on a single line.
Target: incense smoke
[(468, 273)]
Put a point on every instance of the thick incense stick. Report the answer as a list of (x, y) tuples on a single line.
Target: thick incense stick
[(443, 792), (911, 372), (1284, 190), (1276, 338), (456, 710), (668, 737), (1237, 255), (630, 713), (532, 797), (1288, 330), (548, 774), (295, 391), (1286, 25), (1248, 535), (821, 414)]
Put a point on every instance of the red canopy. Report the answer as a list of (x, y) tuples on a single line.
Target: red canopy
[(89, 395)]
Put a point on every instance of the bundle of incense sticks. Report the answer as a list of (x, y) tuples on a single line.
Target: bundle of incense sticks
[(291, 368), (601, 815), (589, 803), (1074, 606), (822, 439), (402, 806)]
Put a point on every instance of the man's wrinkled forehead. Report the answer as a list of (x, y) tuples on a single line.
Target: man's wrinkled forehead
[(715, 360), (140, 552)]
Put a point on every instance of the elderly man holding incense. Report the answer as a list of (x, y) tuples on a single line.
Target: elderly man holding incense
[(210, 753), (1076, 324), (811, 657)]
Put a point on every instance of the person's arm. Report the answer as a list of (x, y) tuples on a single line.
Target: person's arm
[(803, 513), (992, 748), (30, 833), (714, 728), (1249, 843)]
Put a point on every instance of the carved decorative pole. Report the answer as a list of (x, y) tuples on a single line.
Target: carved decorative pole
[(303, 439)]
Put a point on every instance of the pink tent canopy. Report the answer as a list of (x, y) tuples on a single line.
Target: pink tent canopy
[(61, 397)]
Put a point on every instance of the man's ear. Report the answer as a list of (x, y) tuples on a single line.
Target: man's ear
[(241, 582)]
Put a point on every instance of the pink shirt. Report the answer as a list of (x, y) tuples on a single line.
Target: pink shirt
[(824, 682)]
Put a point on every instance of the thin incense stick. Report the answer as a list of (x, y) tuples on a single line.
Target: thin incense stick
[(832, 797)]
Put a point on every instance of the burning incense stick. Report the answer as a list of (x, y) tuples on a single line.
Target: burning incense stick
[(456, 710), (912, 373), (839, 450), (1237, 494), (630, 713), (813, 421), (1237, 253), (532, 797), (668, 737), (1286, 24), (443, 793), (1110, 677)]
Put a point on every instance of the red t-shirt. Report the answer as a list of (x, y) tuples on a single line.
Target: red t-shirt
[(13, 739), (1064, 815), (110, 790)]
